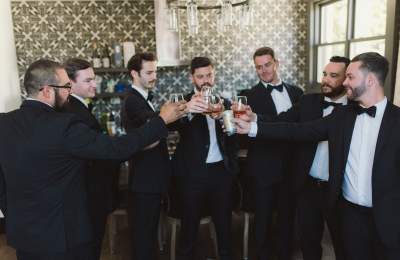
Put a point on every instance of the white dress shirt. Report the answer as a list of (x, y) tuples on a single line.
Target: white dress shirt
[(320, 166), (80, 99), (214, 153), (145, 94), (282, 103), (357, 184), (281, 100)]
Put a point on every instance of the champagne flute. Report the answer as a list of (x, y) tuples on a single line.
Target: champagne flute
[(239, 106)]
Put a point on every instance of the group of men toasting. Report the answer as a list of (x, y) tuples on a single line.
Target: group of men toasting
[(328, 157)]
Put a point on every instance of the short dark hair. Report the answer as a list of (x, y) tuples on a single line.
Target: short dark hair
[(73, 65), (375, 63), (200, 62), (340, 59), (41, 73), (136, 61), (264, 51)]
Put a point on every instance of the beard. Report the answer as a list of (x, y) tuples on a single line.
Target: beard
[(59, 101), (335, 91), (357, 92), (203, 85)]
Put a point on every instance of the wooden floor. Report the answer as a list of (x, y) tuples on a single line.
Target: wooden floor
[(204, 250)]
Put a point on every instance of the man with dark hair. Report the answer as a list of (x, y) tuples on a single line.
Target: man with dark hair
[(101, 175), (309, 166), (363, 159), (42, 159), (205, 163), (268, 161), (150, 168)]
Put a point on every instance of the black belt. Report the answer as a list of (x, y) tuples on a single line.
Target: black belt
[(321, 184)]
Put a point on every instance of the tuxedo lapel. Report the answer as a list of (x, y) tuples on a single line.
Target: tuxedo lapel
[(349, 122), (136, 93), (264, 97), (291, 93), (386, 128)]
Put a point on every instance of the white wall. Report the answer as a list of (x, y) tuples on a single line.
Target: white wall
[(10, 94)]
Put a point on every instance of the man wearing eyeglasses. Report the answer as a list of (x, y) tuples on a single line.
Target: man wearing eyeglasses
[(42, 161), (101, 175)]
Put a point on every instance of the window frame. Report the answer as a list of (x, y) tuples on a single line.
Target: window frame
[(391, 43)]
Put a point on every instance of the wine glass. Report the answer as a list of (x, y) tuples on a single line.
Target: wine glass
[(239, 106), (176, 97)]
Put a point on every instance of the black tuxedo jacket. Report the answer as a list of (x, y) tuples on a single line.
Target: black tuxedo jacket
[(42, 156), (267, 160), (337, 128), (150, 169), (194, 142), (100, 174), (308, 108)]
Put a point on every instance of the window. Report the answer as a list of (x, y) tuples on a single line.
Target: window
[(346, 28)]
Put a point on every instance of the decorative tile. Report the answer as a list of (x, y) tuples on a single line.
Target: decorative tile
[(61, 29)]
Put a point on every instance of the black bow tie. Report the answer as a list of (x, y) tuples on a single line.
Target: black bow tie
[(276, 87), (150, 96), (326, 104), (371, 111)]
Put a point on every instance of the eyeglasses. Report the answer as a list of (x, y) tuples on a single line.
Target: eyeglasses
[(67, 86)]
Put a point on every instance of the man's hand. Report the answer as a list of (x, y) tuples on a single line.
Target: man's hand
[(242, 126), (196, 105), (170, 112), (249, 116)]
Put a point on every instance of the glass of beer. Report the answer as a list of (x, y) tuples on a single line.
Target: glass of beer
[(239, 106)]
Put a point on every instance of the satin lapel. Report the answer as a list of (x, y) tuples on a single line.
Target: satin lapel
[(348, 127), (135, 92), (264, 97), (386, 128), (291, 93)]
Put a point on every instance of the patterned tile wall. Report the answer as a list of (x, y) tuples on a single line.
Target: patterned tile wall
[(59, 29)]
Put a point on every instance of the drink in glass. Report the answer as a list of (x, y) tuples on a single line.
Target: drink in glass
[(239, 106)]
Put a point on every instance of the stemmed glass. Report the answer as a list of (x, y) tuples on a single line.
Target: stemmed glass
[(239, 106), (176, 97)]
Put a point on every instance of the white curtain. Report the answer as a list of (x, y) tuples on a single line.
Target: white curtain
[(396, 99), (10, 94)]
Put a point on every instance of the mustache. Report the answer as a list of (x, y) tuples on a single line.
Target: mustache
[(206, 84)]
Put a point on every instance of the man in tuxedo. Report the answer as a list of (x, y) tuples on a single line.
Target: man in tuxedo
[(205, 163), (310, 161), (150, 168), (42, 159), (267, 161), (363, 159), (101, 175)]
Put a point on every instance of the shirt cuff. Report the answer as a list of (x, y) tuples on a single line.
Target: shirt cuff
[(253, 129)]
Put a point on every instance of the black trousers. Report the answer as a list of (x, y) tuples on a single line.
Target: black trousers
[(143, 218), (214, 190), (360, 238), (268, 199), (312, 213), (82, 252)]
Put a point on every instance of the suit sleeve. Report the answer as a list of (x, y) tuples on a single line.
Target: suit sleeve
[(82, 142), (3, 198), (313, 131)]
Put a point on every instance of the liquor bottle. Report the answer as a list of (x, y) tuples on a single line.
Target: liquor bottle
[(118, 62), (106, 57), (111, 125), (96, 60)]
